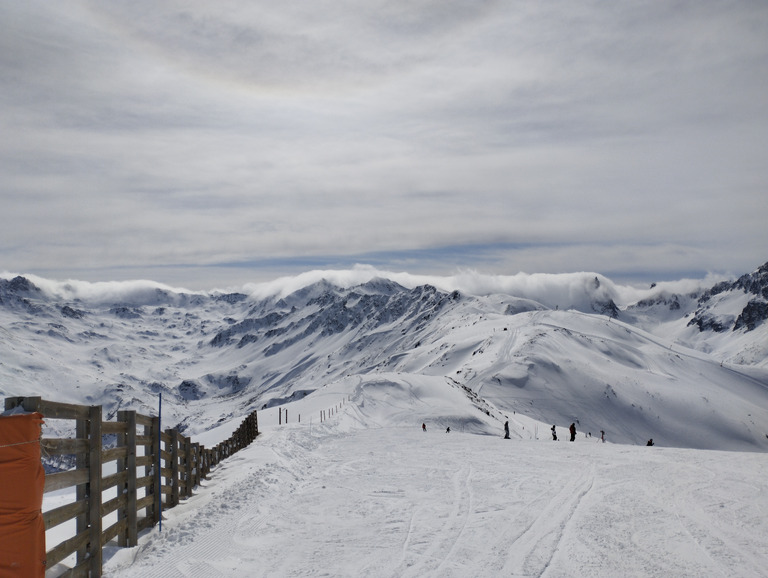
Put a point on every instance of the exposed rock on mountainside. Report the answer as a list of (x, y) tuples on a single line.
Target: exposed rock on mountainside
[(214, 354), (752, 288)]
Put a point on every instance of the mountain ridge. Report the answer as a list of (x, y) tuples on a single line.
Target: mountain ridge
[(218, 355)]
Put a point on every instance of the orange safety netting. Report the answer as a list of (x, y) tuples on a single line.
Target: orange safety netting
[(22, 479)]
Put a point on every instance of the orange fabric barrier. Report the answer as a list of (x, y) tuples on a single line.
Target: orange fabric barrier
[(22, 480)]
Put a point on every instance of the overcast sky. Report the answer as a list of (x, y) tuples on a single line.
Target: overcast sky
[(208, 144)]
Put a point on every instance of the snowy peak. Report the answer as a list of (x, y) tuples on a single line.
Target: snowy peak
[(554, 348), (733, 306), (18, 292)]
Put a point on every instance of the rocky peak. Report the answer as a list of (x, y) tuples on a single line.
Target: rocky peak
[(752, 315)]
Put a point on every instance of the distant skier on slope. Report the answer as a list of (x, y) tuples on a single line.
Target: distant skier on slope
[(650, 442), (602, 436), (554, 434), (423, 427), (506, 430), (572, 429)]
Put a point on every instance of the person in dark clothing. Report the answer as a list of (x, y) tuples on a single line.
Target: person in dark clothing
[(448, 429), (650, 442), (573, 431), (423, 427), (506, 430), (554, 434)]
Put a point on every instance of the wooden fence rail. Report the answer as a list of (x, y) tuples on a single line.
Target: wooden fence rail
[(153, 471)]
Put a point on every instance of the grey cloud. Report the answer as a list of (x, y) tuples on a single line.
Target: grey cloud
[(197, 133)]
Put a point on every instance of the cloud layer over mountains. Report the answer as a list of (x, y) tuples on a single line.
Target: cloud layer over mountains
[(245, 141), (557, 348)]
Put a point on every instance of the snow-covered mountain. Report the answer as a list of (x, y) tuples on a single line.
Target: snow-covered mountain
[(685, 363)]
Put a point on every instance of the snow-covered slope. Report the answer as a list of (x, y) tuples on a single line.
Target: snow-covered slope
[(368, 493), (556, 349)]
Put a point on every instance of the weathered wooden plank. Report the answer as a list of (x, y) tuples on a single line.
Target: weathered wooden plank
[(63, 446), (94, 490), (111, 505), (67, 479), (143, 440), (175, 466), (145, 523), (145, 481), (188, 470), (130, 536), (144, 420), (53, 518), (112, 480), (113, 454), (112, 532), (144, 461), (58, 410), (81, 491), (65, 548), (113, 427), (145, 502), (30, 403), (196, 458), (157, 487)]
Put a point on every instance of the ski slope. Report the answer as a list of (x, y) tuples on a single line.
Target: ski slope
[(367, 493)]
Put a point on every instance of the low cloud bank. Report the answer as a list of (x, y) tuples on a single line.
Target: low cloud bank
[(563, 290)]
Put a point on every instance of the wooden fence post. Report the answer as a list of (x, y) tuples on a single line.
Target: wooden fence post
[(157, 484), (129, 538), (81, 490), (196, 454), (94, 489), (188, 466), (175, 474)]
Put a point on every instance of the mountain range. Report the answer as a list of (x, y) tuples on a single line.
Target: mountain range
[(685, 363)]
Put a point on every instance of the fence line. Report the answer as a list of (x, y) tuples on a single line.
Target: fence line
[(143, 491)]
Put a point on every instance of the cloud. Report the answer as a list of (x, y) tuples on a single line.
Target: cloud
[(565, 291), (162, 139)]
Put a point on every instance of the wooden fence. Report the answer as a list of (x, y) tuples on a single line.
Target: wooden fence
[(153, 471)]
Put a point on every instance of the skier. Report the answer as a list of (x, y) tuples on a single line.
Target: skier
[(650, 442), (602, 436), (448, 429), (554, 434), (573, 431), (423, 427), (506, 430)]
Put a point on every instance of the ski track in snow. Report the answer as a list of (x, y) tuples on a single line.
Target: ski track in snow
[(398, 502)]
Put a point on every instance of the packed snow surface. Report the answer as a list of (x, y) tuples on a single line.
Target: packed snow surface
[(346, 483), (368, 493)]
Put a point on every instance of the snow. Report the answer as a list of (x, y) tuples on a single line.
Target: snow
[(367, 493), (362, 491)]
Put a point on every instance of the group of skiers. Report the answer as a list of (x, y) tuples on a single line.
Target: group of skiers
[(571, 430), (424, 428)]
